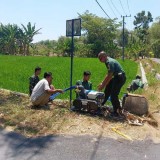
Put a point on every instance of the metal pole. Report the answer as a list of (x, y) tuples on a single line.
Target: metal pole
[(123, 38), (71, 73), (123, 41)]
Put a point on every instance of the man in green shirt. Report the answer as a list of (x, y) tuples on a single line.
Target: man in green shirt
[(34, 79), (136, 83), (113, 81), (85, 83)]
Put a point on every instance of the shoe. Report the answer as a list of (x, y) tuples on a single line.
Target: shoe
[(99, 111), (47, 107), (114, 114), (35, 107)]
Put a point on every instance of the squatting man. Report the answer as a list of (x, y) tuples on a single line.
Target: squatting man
[(42, 91)]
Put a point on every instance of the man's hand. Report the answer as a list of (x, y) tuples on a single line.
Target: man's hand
[(50, 91), (60, 90), (105, 81), (52, 87)]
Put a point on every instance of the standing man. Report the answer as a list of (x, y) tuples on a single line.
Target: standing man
[(34, 79), (42, 91), (113, 81)]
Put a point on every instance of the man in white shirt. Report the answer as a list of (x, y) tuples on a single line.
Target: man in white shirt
[(42, 91)]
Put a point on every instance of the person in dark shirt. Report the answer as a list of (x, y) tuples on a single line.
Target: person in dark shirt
[(113, 81), (34, 79), (85, 83), (136, 83)]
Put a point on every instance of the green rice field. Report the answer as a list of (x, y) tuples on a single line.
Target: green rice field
[(16, 70)]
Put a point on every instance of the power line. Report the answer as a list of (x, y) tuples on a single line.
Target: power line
[(115, 7), (102, 9), (111, 8), (122, 7), (128, 16), (128, 8)]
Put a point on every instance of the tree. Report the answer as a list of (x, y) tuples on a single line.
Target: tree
[(155, 31), (64, 45), (28, 34), (155, 37), (8, 36), (99, 32), (14, 40), (156, 48), (141, 23), (120, 37)]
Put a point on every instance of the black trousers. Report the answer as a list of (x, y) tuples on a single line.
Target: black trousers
[(113, 90)]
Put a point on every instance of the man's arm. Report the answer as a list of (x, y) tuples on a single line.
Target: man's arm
[(50, 90), (53, 91), (31, 83), (105, 81), (79, 82)]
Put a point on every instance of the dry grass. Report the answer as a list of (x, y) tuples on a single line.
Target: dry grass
[(16, 114)]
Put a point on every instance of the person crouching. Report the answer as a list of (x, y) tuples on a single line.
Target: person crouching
[(42, 91)]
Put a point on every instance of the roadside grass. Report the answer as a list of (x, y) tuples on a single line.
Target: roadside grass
[(16, 70), (16, 115), (153, 91), (151, 69)]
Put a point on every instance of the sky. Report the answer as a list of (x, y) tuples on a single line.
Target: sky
[(51, 15)]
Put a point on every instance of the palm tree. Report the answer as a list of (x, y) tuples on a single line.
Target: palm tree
[(8, 36), (28, 34)]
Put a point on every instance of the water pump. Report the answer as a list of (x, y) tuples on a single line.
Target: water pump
[(87, 100)]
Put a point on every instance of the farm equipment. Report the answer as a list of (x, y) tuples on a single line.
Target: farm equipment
[(87, 100)]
